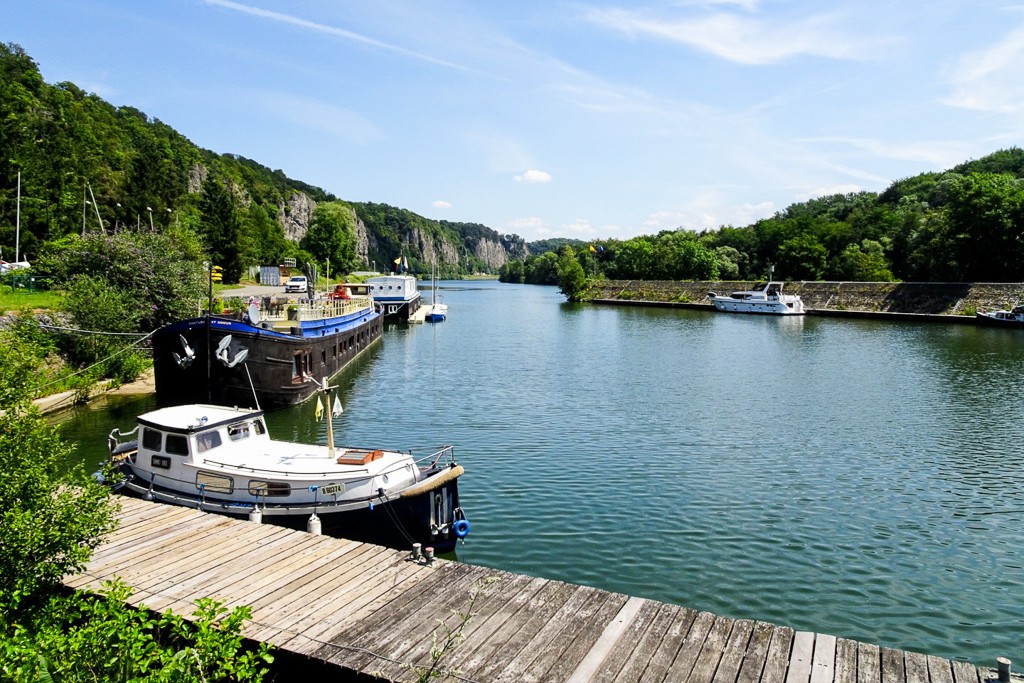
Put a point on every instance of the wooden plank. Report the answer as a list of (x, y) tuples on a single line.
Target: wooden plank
[(735, 648), (594, 658), (484, 600), (916, 667), (893, 669), (578, 636), (823, 665), (964, 672), (374, 647), (690, 648), (336, 622), (668, 649), (869, 663), (801, 658), (534, 658), (330, 591), (518, 634), (846, 661), (777, 662), (635, 652), (486, 634), (757, 653), (939, 670), (711, 652)]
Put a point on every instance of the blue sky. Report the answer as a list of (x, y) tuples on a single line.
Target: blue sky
[(558, 119)]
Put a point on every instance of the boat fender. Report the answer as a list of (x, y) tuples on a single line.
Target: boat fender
[(461, 528)]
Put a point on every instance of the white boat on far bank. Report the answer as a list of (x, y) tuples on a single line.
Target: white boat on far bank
[(766, 299)]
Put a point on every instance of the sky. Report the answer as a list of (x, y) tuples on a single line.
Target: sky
[(543, 118)]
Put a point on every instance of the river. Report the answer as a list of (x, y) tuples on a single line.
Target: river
[(857, 478)]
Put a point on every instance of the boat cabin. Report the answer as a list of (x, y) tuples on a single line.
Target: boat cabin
[(190, 433)]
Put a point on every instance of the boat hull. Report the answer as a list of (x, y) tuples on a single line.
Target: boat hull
[(728, 305), (425, 514), (279, 369), (992, 320)]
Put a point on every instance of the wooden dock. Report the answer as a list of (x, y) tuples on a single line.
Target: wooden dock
[(368, 610)]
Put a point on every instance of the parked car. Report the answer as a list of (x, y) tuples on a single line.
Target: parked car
[(297, 283)]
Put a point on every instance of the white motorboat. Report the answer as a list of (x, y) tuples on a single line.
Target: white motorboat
[(765, 299), (223, 460), (1011, 318)]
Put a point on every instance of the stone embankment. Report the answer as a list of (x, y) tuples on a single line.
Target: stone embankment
[(917, 298)]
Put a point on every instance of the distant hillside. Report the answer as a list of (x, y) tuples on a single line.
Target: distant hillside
[(86, 163)]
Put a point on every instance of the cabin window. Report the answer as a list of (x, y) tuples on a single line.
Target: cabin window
[(176, 444), (269, 488), (161, 461), (152, 439), (323, 357), (217, 483), (207, 441), (238, 432), (297, 366)]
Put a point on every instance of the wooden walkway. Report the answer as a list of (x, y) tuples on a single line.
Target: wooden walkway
[(369, 609)]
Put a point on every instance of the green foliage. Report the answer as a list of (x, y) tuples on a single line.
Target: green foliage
[(81, 639), (51, 516), (162, 273), (572, 281), (95, 304), (332, 236), (220, 228)]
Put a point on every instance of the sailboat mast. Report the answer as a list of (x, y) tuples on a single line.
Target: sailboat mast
[(17, 223)]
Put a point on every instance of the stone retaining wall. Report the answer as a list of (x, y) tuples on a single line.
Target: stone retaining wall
[(934, 298)]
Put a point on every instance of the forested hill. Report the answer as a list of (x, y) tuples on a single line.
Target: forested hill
[(84, 161), (961, 225)]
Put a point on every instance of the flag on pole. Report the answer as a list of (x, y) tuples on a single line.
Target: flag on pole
[(593, 249), (336, 411), (319, 409)]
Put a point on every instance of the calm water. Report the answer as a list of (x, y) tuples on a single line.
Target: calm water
[(857, 478)]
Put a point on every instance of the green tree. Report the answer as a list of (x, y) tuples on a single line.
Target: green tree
[(220, 227), (332, 236), (572, 281), (52, 516), (801, 258)]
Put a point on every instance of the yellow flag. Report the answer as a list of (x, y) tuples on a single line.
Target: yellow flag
[(319, 409)]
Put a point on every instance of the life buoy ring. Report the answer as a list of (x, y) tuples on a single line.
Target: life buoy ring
[(461, 528)]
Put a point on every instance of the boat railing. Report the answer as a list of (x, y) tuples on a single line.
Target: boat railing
[(442, 456), (201, 490), (262, 471)]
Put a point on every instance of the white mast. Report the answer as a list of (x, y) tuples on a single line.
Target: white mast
[(17, 229)]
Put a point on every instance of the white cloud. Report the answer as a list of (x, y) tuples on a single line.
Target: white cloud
[(312, 114), (989, 79), (441, 204), (330, 30), (742, 39), (581, 226), (533, 176)]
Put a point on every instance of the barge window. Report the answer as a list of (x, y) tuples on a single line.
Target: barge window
[(207, 441), (216, 483), (176, 444), (152, 439), (238, 432), (269, 488)]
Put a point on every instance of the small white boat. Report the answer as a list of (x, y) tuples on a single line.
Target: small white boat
[(1011, 318), (766, 299), (437, 311), (223, 460)]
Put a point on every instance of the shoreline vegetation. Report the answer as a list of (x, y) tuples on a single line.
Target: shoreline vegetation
[(956, 301)]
